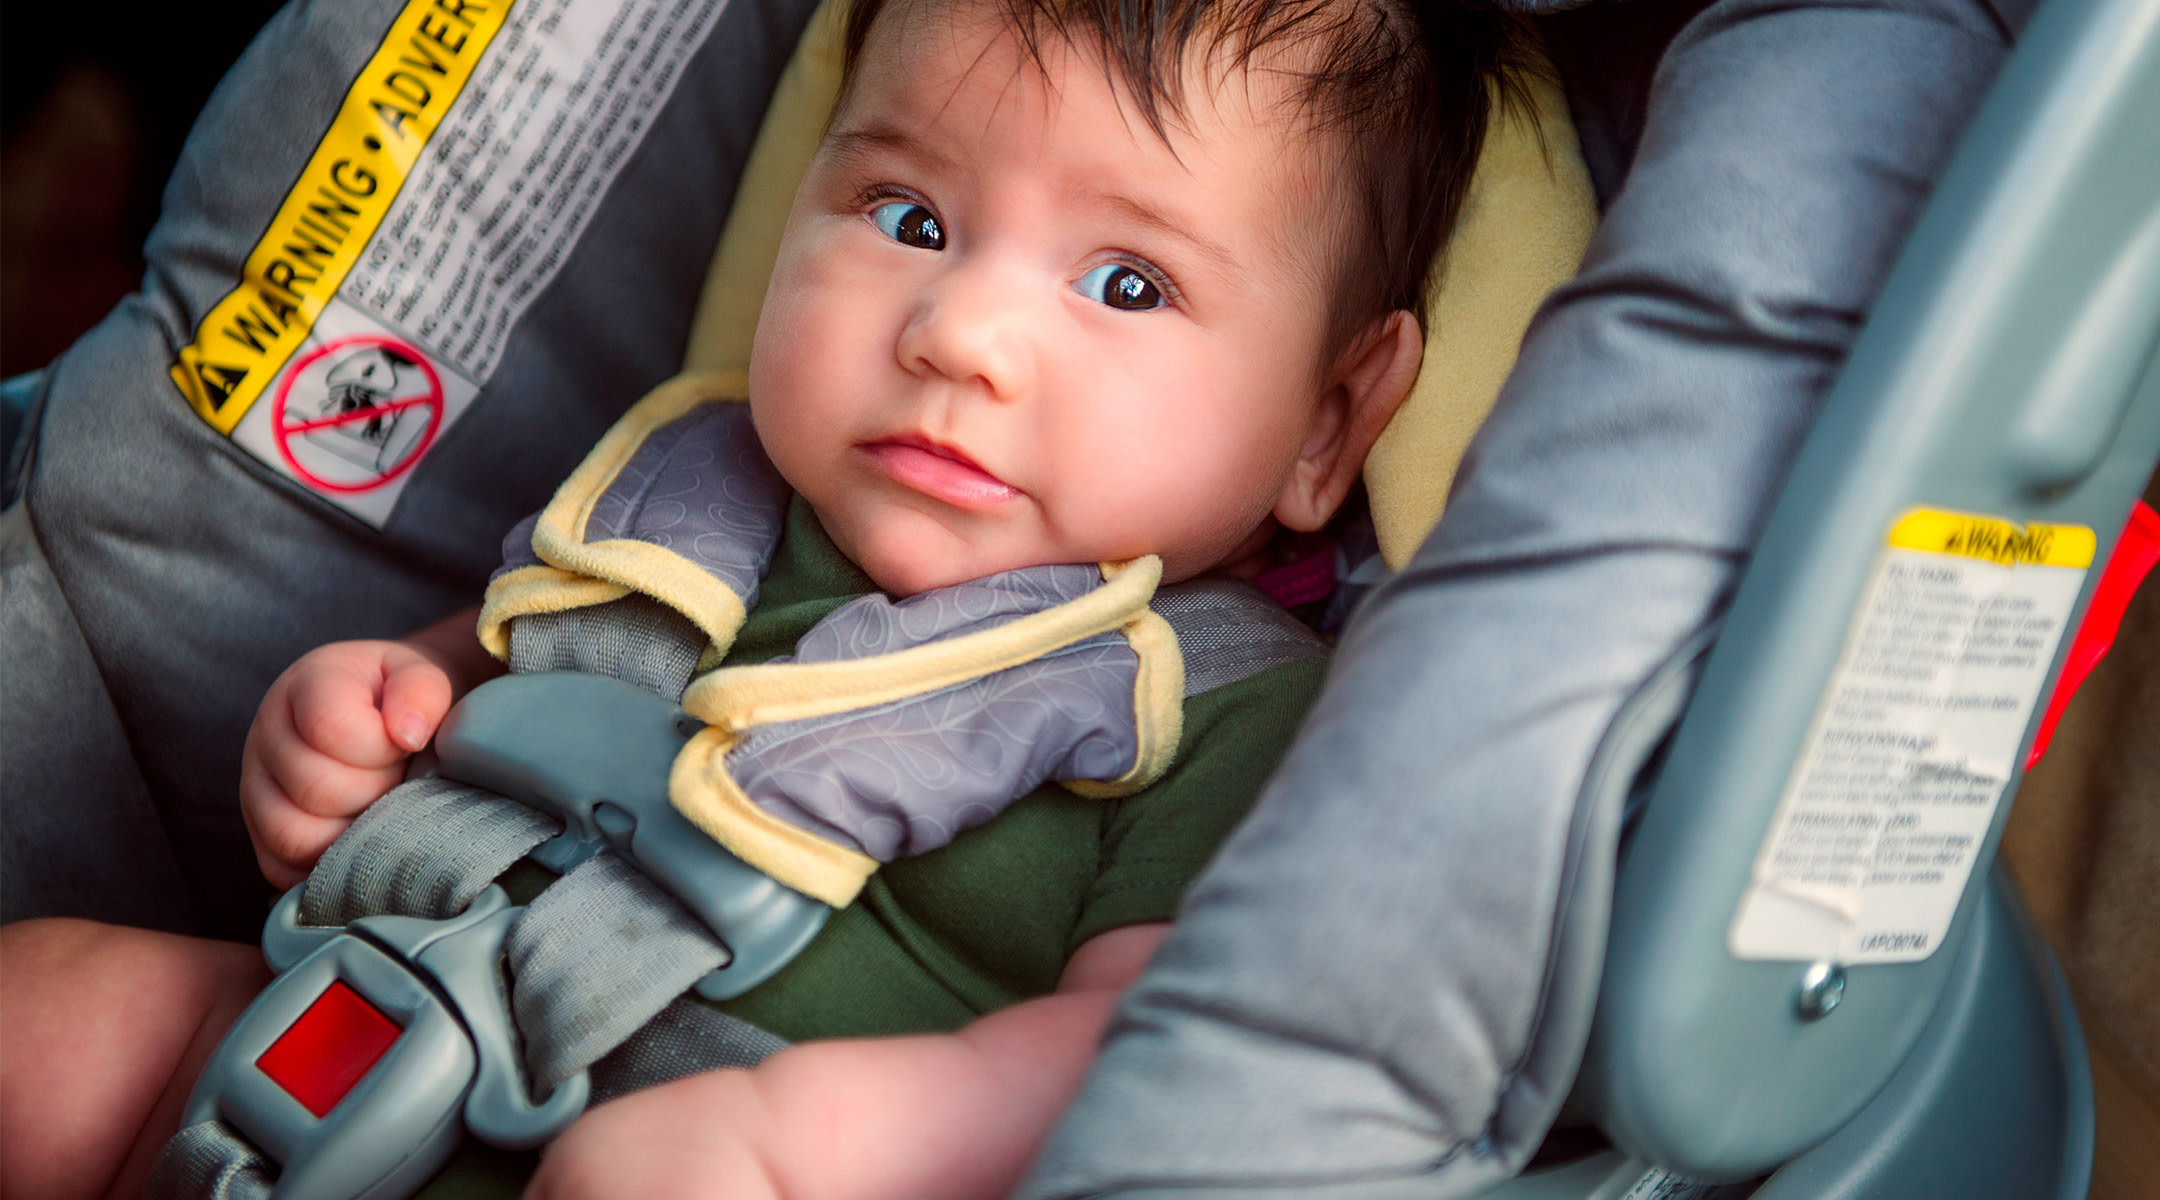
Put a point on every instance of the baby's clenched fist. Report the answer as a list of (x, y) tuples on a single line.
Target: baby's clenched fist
[(331, 737)]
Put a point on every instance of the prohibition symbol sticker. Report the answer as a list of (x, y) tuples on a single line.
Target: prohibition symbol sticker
[(357, 412)]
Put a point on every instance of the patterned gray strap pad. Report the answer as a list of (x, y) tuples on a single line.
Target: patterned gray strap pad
[(905, 777), (700, 486)]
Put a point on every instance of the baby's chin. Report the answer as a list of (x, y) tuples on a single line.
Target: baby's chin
[(906, 553), (907, 566)]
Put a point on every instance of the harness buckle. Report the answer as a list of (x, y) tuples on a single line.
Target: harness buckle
[(357, 1067)]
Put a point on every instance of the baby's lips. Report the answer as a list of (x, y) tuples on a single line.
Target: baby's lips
[(941, 475)]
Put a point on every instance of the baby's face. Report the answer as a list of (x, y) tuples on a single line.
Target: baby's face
[(1010, 326)]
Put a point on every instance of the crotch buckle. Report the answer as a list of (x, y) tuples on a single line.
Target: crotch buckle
[(356, 1068)]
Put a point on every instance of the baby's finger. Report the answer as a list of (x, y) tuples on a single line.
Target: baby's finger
[(416, 694), (287, 841), (319, 785), (287, 845), (336, 710)]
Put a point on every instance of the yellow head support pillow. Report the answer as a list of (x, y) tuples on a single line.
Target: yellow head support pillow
[(1525, 222)]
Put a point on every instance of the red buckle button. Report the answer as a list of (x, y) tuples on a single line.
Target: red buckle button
[(333, 1045)]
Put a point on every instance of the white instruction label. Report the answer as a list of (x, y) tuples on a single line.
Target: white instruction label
[(466, 161), (1915, 741), (510, 181)]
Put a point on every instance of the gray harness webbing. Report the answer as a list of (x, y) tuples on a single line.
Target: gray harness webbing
[(426, 849), (596, 963), (596, 956), (686, 1038), (207, 1161), (1229, 631), (635, 639)]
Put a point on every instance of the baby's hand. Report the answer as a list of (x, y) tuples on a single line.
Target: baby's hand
[(331, 737)]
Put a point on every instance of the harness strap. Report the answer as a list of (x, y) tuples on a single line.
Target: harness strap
[(635, 639), (207, 1161), (1229, 631), (596, 956), (686, 1038), (598, 963), (424, 850)]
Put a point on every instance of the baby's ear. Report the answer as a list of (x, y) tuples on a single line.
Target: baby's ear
[(1367, 385)]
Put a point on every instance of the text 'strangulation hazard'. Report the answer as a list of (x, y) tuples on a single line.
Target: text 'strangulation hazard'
[(1914, 742), (462, 166)]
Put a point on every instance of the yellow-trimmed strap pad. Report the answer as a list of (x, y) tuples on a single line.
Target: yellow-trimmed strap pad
[(817, 770), (599, 540)]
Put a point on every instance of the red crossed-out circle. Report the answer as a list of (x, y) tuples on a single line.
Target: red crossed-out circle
[(286, 431)]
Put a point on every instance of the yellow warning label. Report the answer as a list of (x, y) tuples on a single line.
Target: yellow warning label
[(335, 206), (1992, 539)]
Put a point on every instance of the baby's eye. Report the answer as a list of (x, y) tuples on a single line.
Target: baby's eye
[(1121, 287), (909, 224)]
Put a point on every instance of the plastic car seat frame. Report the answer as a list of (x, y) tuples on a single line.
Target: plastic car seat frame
[(2009, 369)]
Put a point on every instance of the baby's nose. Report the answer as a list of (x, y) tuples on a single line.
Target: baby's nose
[(973, 326)]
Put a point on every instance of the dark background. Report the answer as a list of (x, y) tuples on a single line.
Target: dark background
[(99, 98)]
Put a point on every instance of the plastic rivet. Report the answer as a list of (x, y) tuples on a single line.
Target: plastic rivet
[(1822, 987)]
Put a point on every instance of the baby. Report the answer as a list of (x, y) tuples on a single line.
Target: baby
[(1066, 283)]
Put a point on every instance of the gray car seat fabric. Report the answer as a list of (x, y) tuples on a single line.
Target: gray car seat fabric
[(194, 571), (1383, 985)]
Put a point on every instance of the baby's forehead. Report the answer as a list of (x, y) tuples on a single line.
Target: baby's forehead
[(950, 74)]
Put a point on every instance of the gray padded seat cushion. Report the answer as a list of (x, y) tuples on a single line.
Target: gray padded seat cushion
[(194, 572)]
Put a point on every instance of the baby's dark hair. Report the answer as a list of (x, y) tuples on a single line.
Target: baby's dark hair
[(1407, 85)]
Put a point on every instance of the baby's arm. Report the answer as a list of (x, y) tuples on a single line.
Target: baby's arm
[(334, 731), (950, 1115)]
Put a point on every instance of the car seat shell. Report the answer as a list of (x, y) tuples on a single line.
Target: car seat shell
[(1958, 395)]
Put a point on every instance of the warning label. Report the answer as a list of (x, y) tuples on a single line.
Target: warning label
[(1914, 743), (341, 197), (463, 165)]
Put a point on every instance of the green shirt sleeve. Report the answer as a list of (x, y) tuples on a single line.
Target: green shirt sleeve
[(1155, 842)]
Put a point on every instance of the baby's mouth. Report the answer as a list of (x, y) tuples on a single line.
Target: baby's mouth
[(939, 471)]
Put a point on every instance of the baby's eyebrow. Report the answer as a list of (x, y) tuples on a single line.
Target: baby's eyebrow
[(855, 143), (1157, 221)]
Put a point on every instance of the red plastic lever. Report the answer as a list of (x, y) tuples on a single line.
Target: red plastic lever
[(333, 1046), (2135, 554)]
